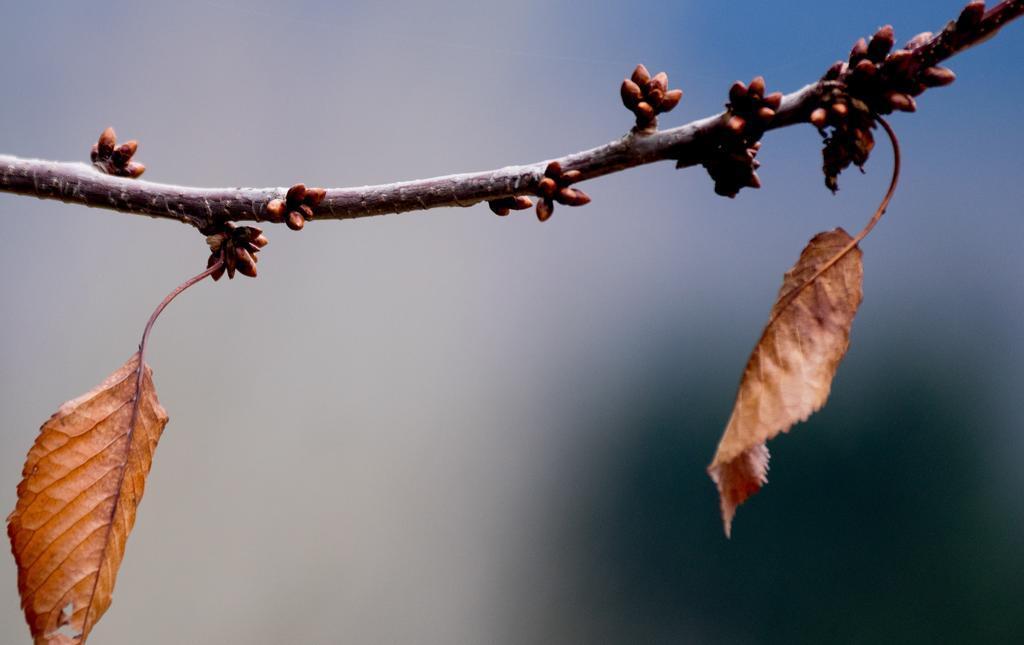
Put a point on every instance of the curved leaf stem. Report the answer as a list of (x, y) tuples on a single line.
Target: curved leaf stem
[(166, 301), (875, 218)]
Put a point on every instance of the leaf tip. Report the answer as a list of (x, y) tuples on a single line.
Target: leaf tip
[(737, 479)]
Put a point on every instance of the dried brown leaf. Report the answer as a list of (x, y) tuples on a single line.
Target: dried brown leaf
[(789, 374), (82, 483)]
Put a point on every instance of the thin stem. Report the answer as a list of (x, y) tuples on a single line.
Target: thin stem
[(894, 140), (166, 301)]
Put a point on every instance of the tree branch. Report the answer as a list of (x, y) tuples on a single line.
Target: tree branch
[(208, 208), (80, 183)]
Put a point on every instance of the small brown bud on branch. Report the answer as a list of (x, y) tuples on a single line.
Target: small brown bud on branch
[(881, 43), (631, 94), (298, 203), (737, 92), (276, 209), (544, 209), (547, 187), (818, 117), (902, 102), (756, 88), (835, 71), (503, 206), (859, 51), (107, 142), (641, 75), (937, 77), (554, 187), (647, 97), (113, 159), (971, 16)]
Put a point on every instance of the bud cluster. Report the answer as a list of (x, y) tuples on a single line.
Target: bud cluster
[(875, 80), (731, 161), (850, 140), (554, 187), (115, 159), (297, 206), (237, 246), (647, 97)]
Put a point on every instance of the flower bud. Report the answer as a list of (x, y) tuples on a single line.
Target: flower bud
[(835, 71), (756, 89), (641, 75), (671, 99), (573, 197), (971, 16), (547, 187), (859, 51), (544, 209), (881, 43), (658, 82), (818, 117), (295, 221), (901, 102), (314, 196), (631, 93), (865, 68), (521, 202), (738, 91), (107, 141), (937, 76), (275, 209), (295, 194), (124, 152)]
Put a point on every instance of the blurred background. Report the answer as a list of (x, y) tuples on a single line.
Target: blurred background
[(448, 427)]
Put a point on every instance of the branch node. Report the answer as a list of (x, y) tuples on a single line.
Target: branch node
[(554, 187), (730, 155), (297, 207)]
